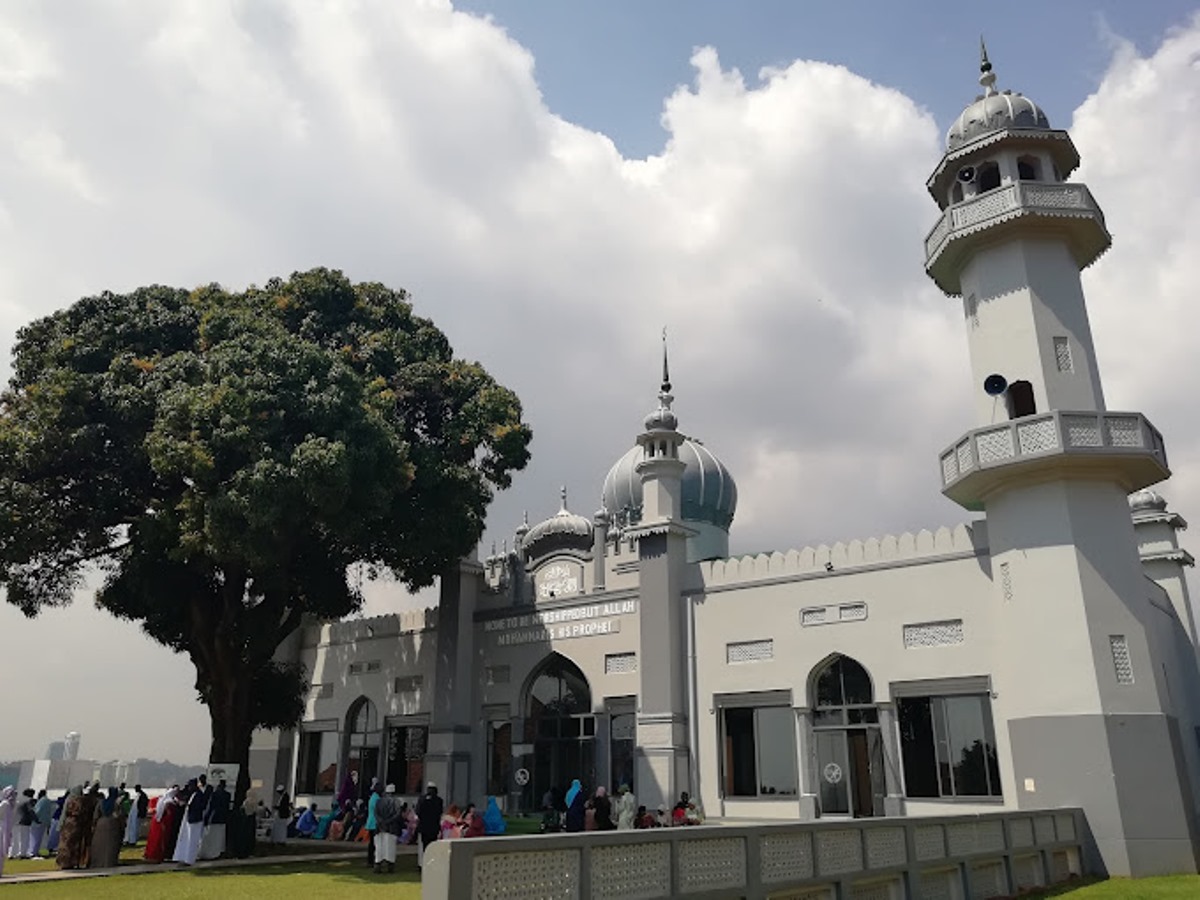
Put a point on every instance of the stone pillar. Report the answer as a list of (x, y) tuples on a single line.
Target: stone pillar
[(893, 801), (448, 757), (806, 763), (599, 548)]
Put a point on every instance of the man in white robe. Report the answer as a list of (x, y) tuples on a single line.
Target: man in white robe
[(19, 848), (216, 816), (192, 829), (136, 811), (388, 823)]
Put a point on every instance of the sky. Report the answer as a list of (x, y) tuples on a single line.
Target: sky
[(556, 182)]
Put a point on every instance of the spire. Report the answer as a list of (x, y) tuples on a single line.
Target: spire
[(987, 77), (562, 493), (663, 418), (666, 379)]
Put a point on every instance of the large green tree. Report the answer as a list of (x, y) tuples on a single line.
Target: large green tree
[(225, 460)]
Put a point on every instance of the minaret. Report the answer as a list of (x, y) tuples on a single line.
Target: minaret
[(662, 728), (1079, 680)]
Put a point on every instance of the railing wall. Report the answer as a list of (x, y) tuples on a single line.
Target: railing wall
[(952, 858)]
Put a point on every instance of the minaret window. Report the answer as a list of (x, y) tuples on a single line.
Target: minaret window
[(987, 176), (1062, 355), (1020, 400), (1029, 168), (956, 193)]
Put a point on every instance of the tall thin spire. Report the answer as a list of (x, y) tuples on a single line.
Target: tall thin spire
[(666, 379), (987, 77)]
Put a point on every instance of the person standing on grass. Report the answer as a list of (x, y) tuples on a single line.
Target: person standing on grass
[(371, 825), (110, 827), (19, 845), (216, 818), (137, 812), (55, 824), (192, 828), (78, 822), (283, 816), (429, 820), (43, 812), (388, 823), (8, 815)]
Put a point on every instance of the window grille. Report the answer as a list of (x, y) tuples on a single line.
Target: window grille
[(407, 684), (498, 674), (749, 651), (620, 663), (852, 612), (365, 668), (1006, 581), (933, 634), (1062, 355), (814, 616), (322, 691), (1121, 660)]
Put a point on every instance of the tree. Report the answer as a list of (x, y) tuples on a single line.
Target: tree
[(225, 460)]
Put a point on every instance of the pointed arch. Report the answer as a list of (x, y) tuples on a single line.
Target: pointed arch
[(839, 681), (362, 743), (556, 687)]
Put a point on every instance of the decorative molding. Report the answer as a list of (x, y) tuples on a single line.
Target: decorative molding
[(962, 540)]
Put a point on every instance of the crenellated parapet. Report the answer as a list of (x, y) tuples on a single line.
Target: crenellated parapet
[(924, 545)]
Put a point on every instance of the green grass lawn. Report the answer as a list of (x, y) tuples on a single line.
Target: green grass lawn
[(133, 855), (1172, 887), (275, 881)]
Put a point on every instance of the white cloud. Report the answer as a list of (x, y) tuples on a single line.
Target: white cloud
[(778, 234)]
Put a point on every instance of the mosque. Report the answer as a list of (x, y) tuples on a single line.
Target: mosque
[(1044, 654)]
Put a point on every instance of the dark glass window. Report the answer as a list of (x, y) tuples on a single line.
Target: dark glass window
[(844, 683), (760, 751), (499, 754), (406, 758), (948, 746), (317, 766), (363, 743)]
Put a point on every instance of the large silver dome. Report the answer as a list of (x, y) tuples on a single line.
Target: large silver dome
[(709, 492)]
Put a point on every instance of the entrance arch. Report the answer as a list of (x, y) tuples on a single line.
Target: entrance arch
[(363, 742), (847, 739), (557, 705)]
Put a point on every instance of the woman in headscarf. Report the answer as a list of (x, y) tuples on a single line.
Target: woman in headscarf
[(349, 792), (626, 808), (307, 826), (56, 824), (8, 815), (493, 819), (166, 815), (323, 824), (75, 834), (602, 803), (576, 808), (110, 826)]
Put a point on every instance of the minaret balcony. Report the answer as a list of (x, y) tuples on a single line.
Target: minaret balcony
[(1022, 209), (1114, 446)]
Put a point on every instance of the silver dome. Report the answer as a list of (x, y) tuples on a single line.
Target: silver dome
[(993, 112), (562, 531), (709, 493), (1146, 499)]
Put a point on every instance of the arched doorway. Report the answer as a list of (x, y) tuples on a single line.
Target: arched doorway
[(364, 738), (560, 726), (847, 740)]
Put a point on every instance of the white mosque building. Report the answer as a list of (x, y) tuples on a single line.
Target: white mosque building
[(1043, 654)]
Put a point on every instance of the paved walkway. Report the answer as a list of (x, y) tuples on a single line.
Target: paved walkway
[(148, 868)]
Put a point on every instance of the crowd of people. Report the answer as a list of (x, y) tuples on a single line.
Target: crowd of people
[(383, 822), (83, 828), (574, 810)]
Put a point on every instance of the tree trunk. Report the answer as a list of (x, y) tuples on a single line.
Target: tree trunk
[(232, 727)]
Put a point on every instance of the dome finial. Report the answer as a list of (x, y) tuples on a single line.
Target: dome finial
[(562, 493), (987, 77), (666, 379)]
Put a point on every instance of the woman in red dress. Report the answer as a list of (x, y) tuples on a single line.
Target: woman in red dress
[(164, 823)]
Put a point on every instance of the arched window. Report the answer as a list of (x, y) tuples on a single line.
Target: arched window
[(987, 176), (363, 739), (843, 695), (560, 726), (558, 689), (1029, 168)]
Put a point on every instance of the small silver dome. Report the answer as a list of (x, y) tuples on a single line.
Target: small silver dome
[(662, 419), (709, 493), (993, 110), (1146, 500), (562, 531)]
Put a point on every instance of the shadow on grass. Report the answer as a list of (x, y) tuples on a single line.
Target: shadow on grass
[(347, 871)]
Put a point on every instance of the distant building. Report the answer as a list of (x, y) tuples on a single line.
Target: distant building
[(71, 747), (56, 751)]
